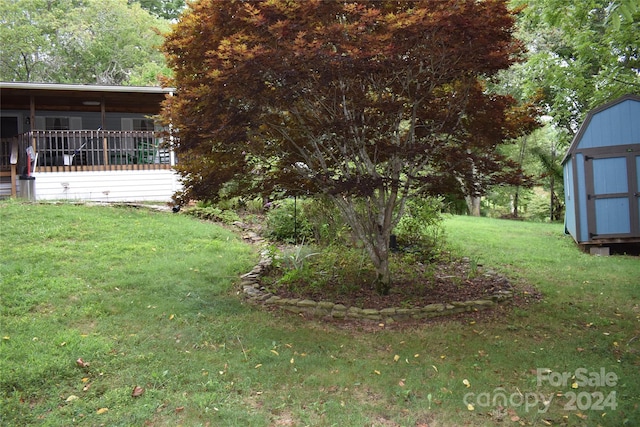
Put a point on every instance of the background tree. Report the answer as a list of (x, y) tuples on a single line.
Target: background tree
[(362, 102), (165, 9), (91, 41), (581, 54)]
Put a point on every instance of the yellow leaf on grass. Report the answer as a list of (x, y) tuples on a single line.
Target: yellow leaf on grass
[(172, 316), (275, 352), (466, 382), (574, 385), (258, 365), (470, 407), (102, 411), (376, 372), (396, 358)]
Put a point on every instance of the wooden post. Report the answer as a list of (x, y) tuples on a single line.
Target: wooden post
[(103, 115), (32, 123), (14, 161)]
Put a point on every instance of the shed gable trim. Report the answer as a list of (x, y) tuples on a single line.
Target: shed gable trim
[(585, 125)]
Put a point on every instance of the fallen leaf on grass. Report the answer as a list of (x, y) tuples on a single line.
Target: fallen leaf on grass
[(466, 382), (396, 358), (72, 398), (102, 411), (137, 391), (81, 363)]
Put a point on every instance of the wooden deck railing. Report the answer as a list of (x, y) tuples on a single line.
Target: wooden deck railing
[(95, 150)]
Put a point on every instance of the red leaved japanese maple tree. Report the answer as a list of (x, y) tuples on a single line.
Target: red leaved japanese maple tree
[(363, 102)]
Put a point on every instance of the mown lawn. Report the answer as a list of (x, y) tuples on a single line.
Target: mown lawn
[(147, 299)]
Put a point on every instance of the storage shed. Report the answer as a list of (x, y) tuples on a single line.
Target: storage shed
[(601, 176)]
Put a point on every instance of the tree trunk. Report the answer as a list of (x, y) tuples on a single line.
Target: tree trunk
[(381, 264), (383, 278), (473, 205), (372, 227)]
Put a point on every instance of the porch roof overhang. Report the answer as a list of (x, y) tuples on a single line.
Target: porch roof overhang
[(71, 97)]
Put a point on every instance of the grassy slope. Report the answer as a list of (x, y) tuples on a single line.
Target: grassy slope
[(147, 299)]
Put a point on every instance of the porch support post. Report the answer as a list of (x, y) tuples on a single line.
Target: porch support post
[(32, 121), (14, 162), (103, 116)]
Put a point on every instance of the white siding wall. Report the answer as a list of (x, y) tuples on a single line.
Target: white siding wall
[(112, 186)]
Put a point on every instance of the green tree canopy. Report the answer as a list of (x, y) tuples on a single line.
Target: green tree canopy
[(582, 53), (166, 9), (70, 41)]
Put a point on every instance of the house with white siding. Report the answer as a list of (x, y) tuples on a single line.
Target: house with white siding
[(85, 142)]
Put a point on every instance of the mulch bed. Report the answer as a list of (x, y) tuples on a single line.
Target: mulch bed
[(449, 281)]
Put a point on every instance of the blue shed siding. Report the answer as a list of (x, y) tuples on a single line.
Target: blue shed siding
[(569, 199), (638, 181), (580, 178), (611, 175), (617, 125)]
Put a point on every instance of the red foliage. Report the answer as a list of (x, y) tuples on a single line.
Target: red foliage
[(340, 97)]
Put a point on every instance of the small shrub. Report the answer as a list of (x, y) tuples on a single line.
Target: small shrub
[(212, 213), (326, 223), (286, 222), (420, 230)]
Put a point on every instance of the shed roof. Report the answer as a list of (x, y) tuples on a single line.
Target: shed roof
[(587, 121), (72, 97)]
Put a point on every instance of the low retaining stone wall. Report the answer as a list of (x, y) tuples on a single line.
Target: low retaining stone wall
[(255, 293)]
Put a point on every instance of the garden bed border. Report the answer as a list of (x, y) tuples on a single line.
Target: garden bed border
[(255, 293)]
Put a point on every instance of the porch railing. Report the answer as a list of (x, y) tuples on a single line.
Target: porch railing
[(94, 150)]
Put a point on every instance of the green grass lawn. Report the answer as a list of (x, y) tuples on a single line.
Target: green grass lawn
[(147, 299)]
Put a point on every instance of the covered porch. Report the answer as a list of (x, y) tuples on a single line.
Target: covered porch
[(86, 142)]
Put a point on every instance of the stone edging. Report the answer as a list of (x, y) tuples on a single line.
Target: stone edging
[(255, 293)]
